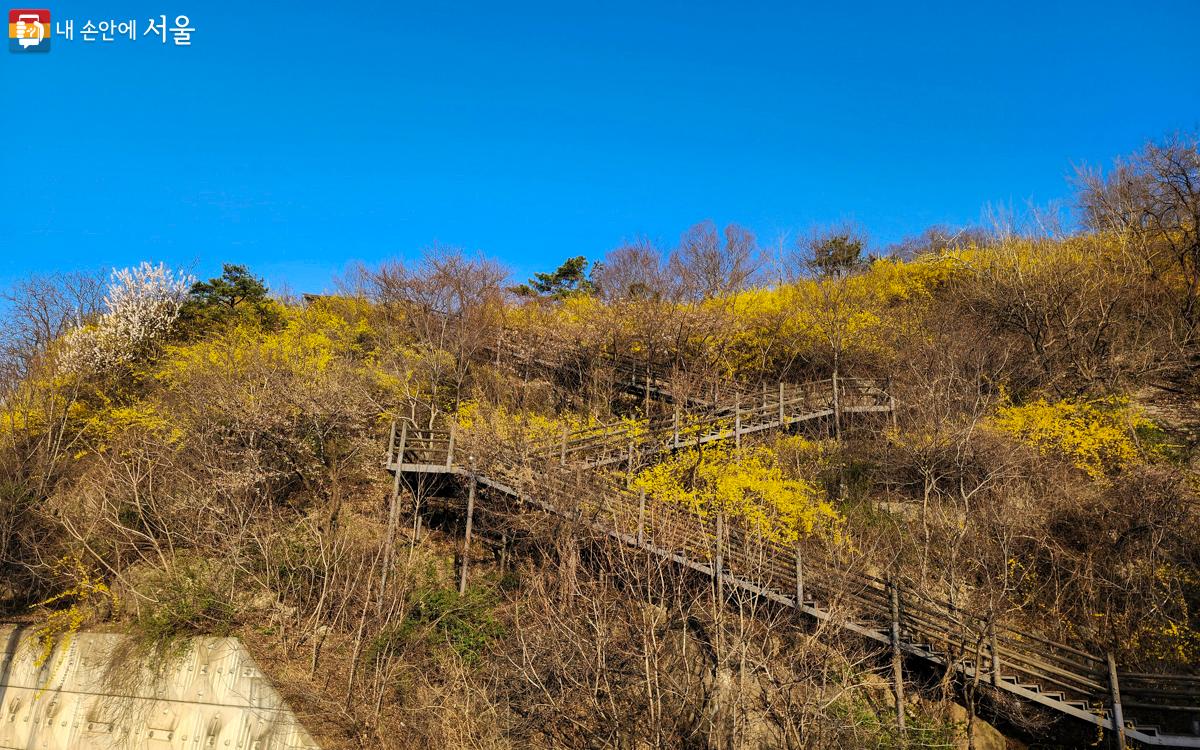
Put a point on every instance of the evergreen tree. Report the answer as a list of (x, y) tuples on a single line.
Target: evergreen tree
[(571, 278)]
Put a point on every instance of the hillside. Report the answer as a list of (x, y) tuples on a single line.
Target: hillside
[(1000, 425)]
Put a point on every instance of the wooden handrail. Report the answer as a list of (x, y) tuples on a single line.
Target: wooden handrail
[(766, 566)]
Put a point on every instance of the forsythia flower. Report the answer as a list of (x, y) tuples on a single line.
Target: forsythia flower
[(1095, 436), (747, 485)]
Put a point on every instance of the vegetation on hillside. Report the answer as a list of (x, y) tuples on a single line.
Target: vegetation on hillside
[(185, 456)]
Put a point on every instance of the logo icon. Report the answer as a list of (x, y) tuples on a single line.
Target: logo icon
[(29, 30)]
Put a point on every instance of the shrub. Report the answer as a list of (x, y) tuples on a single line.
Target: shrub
[(1095, 436), (747, 485), (84, 597), (441, 618), (186, 601)]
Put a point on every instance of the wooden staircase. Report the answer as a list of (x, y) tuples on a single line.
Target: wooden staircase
[(551, 475)]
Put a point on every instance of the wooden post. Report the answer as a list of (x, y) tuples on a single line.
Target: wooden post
[(764, 395), (462, 578), (577, 491), (995, 653), (887, 384), (403, 445), (799, 580), (837, 409), (393, 513), (781, 403), (737, 421), (641, 527), (562, 451), (393, 522), (897, 660), (450, 448), (391, 444), (1118, 719), (719, 556), (675, 442)]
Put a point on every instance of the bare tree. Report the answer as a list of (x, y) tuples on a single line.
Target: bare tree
[(1083, 317), (1152, 200), (451, 303), (634, 271), (42, 308), (708, 264)]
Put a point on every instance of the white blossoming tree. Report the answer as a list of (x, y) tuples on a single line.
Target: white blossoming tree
[(140, 308)]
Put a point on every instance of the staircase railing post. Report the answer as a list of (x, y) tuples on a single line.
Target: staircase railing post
[(466, 553), (391, 444), (780, 403), (891, 402), (562, 451), (394, 514), (646, 394), (1118, 719), (799, 580), (897, 658), (503, 563), (737, 421), (719, 555), (675, 433), (837, 409), (450, 447), (578, 493), (641, 523), (403, 445), (995, 653)]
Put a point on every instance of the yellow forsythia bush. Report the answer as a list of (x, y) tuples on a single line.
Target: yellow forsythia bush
[(747, 485), (67, 610), (531, 427), (1096, 436)]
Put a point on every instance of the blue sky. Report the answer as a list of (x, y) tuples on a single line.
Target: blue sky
[(297, 137)]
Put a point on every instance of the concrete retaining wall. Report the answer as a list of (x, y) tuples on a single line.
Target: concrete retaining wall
[(99, 691)]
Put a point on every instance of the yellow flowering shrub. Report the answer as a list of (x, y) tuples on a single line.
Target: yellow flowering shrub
[(1096, 436), (805, 315), (38, 402), (809, 456), (103, 422), (498, 422), (1167, 635), (747, 485), (1176, 640), (86, 595), (530, 427), (574, 318), (309, 342)]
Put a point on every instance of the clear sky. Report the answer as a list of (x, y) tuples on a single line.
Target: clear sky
[(296, 137)]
